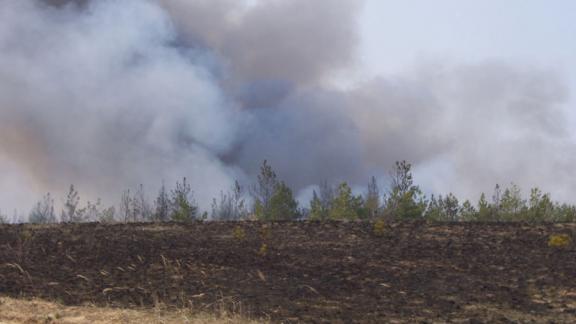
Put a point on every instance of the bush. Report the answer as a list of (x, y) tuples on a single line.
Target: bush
[(263, 251), (559, 240), (379, 227), (239, 233)]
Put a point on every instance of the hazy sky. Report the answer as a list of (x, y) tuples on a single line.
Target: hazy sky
[(398, 34)]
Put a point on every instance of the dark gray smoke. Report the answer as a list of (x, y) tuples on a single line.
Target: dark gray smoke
[(110, 94)]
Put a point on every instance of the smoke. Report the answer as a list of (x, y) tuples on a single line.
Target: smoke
[(467, 128), (103, 99), (112, 94)]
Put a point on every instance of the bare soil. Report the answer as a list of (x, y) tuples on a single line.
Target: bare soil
[(301, 271)]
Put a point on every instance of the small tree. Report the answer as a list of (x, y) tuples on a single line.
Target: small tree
[(512, 206), (89, 213), (43, 212), (141, 210), (434, 210), (70, 205), (283, 206), (443, 209), (496, 204), (273, 199), (540, 206), (451, 208), (405, 200), (3, 218), (238, 202), (563, 213), (321, 202), (231, 206), (108, 215), (372, 202), (326, 195), (162, 204), (468, 212), (264, 190), (346, 206), (317, 211), (484, 209), (183, 207), (126, 206)]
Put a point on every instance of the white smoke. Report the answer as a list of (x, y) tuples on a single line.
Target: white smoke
[(104, 100)]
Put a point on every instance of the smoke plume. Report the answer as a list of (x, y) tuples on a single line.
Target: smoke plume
[(112, 94)]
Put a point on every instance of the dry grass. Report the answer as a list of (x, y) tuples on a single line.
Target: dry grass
[(559, 240), (14, 311)]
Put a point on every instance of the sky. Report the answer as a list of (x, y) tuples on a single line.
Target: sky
[(398, 34), (531, 33), (108, 95)]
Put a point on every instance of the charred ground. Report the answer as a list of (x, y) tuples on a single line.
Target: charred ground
[(301, 271)]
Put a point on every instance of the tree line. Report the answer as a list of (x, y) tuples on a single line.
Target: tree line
[(271, 199)]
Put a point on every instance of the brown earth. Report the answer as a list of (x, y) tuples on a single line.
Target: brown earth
[(305, 271)]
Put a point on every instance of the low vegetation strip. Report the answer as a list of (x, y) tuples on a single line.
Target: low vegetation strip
[(301, 271), (270, 199)]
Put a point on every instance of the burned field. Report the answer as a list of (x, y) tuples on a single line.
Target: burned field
[(301, 271)]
